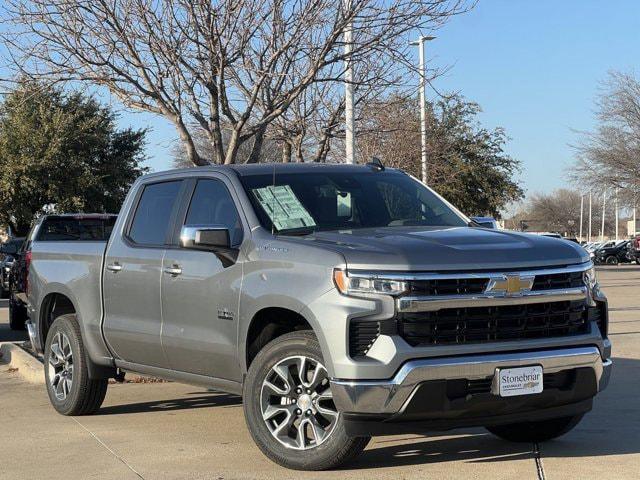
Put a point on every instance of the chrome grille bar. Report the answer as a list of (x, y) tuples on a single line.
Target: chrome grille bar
[(430, 304)]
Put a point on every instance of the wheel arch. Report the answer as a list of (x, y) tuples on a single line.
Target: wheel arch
[(59, 302), (271, 322), (55, 302)]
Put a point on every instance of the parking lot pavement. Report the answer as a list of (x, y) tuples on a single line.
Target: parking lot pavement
[(169, 430)]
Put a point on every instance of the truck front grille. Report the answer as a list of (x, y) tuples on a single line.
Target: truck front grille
[(490, 324), (448, 286), (475, 285), (558, 281)]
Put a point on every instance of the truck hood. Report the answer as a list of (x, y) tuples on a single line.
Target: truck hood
[(445, 248)]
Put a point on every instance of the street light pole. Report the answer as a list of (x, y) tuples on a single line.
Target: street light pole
[(349, 135), (589, 215), (604, 202), (423, 104), (616, 207), (581, 216)]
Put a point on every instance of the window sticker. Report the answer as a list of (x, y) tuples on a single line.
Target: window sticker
[(283, 207)]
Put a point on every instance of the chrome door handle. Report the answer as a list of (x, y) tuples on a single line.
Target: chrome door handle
[(114, 267), (174, 271)]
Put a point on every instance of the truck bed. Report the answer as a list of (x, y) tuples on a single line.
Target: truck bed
[(73, 268)]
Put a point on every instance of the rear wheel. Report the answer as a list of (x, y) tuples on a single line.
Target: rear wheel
[(17, 314), (70, 389), (289, 407), (536, 431)]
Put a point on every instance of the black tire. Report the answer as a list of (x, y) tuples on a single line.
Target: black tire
[(536, 431), (17, 315), (338, 448), (85, 395), (612, 260)]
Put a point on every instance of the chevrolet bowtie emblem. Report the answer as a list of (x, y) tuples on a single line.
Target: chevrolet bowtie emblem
[(510, 284)]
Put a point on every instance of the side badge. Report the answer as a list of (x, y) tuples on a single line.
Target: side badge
[(225, 314)]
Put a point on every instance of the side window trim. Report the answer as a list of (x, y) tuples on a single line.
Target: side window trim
[(172, 217)]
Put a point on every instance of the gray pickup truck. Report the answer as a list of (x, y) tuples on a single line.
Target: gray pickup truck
[(340, 301)]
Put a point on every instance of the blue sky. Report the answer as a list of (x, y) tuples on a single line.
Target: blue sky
[(533, 66)]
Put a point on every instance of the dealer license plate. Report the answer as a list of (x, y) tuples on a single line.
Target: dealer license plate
[(510, 382)]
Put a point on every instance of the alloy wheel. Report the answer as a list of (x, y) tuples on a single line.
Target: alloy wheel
[(297, 404), (61, 366)]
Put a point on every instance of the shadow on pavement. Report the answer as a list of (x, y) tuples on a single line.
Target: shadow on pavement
[(476, 446), (199, 400)]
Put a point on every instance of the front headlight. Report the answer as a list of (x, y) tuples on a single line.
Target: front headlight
[(362, 284), (590, 279)]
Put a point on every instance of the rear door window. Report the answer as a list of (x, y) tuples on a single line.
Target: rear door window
[(152, 219)]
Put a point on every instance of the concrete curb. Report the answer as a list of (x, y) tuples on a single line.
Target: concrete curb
[(28, 367)]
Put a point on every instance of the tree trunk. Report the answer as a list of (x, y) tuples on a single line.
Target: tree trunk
[(299, 153), (258, 140), (323, 149), (286, 151), (232, 148), (214, 128), (189, 145)]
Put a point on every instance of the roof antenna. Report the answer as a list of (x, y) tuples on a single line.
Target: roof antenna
[(376, 164)]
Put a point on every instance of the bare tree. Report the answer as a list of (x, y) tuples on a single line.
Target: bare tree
[(559, 211), (270, 151), (219, 64), (608, 158)]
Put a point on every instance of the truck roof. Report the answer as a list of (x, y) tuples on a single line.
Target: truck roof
[(243, 169)]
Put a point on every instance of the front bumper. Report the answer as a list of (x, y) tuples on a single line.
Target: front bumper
[(421, 389)]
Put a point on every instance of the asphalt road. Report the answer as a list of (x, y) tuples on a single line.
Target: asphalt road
[(169, 430)]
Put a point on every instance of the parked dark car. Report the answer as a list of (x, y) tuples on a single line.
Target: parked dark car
[(620, 253), (8, 251), (51, 228)]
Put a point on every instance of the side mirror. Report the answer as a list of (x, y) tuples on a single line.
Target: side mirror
[(203, 237)]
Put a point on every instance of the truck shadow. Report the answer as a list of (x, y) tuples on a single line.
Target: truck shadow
[(611, 428), (197, 400)]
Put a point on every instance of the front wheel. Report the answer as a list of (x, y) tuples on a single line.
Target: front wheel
[(536, 431), (612, 260), (70, 389), (289, 407)]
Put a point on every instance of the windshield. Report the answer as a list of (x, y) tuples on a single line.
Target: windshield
[(319, 201)]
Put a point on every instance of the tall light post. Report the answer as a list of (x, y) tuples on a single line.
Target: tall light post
[(590, 210), (349, 135), (604, 202), (423, 104), (581, 215), (616, 207)]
